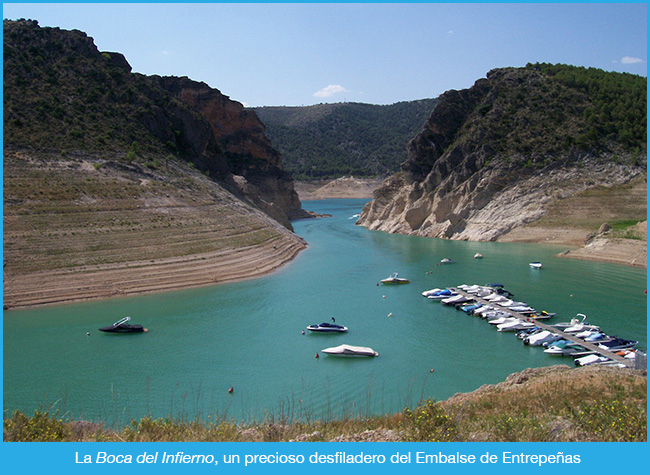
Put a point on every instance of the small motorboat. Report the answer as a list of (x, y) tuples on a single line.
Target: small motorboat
[(503, 319), (515, 326), (617, 344), (443, 294), (564, 348), (327, 328), (446, 261), (123, 326), (426, 293), (580, 325), (538, 339), (535, 265), (394, 279), (478, 255), (543, 315), (349, 350), (590, 359), (455, 299)]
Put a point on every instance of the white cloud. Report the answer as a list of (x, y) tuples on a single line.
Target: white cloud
[(330, 90), (630, 60)]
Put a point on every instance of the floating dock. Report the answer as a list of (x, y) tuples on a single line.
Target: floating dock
[(590, 348)]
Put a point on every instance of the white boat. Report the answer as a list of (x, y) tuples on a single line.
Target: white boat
[(327, 328), (535, 265), (515, 326), (564, 348), (426, 293), (483, 309), (394, 279), (496, 299), (538, 339), (590, 359), (478, 255), (502, 320), (446, 261), (577, 326), (495, 314), (349, 350), (472, 289), (456, 299)]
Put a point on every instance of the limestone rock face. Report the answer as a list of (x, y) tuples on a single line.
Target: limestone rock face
[(462, 178), (250, 164)]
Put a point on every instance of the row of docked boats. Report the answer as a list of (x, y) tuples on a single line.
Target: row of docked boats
[(587, 343)]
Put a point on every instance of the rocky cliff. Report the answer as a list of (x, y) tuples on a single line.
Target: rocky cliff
[(62, 94), (492, 157), (116, 183)]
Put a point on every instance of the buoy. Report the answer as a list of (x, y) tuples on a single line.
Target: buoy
[(377, 284), (303, 332), (316, 355), (87, 333), (231, 390), (431, 370)]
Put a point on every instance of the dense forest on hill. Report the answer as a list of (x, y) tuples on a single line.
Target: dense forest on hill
[(333, 140), (543, 113), (618, 103)]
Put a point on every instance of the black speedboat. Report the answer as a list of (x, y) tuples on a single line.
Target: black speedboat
[(327, 327), (123, 326)]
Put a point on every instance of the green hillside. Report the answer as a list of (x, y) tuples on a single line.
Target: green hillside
[(333, 140)]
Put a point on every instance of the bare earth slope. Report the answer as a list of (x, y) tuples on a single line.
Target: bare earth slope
[(114, 229), (574, 220)]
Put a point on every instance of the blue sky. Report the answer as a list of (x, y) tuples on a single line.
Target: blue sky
[(308, 53)]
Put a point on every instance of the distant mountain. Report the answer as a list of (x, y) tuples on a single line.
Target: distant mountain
[(333, 140), (494, 156)]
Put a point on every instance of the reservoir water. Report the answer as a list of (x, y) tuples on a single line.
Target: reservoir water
[(248, 335)]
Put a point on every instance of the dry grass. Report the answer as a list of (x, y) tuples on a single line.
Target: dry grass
[(557, 403)]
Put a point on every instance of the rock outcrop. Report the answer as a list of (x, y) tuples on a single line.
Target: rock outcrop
[(250, 164), (482, 165)]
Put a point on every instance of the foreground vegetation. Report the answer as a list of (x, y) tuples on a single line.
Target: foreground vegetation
[(556, 403)]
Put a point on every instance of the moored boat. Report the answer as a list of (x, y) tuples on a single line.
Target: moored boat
[(123, 326), (394, 279), (327, 328), (535, 265), (349, 350), (564, 348), (539, 338)]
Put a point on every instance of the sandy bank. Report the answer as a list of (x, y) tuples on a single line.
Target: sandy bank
[(158, 275), (345, 187)]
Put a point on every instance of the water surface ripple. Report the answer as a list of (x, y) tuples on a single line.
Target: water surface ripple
[(248, 335)]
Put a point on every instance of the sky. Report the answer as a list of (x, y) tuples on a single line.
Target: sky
[(296, 54)]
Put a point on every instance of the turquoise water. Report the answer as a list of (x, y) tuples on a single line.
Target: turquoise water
[(248, 335)]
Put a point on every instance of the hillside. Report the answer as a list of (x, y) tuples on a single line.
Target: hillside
[(334, 140), (118, 183), (500, 154)]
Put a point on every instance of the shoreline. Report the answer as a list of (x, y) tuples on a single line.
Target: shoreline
[(48, 288), (78, 284)]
